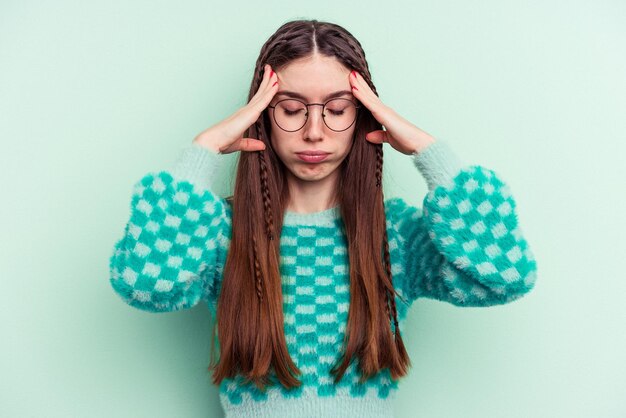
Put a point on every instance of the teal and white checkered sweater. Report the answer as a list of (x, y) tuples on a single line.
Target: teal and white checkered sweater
[(464, 246)]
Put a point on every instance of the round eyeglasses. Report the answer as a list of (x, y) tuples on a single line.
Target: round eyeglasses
[(292, 114)]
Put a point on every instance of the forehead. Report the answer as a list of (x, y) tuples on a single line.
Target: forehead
[(314, 78)]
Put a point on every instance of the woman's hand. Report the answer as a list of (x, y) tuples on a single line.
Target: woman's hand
[(401, 134), (227, 136)]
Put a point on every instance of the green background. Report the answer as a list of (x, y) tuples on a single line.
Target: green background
[(95, 94)]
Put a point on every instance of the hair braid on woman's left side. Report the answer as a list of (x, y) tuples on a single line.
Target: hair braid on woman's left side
[(390, 292), (257, 270)]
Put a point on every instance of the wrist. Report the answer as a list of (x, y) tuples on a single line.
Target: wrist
[(423, 143), (209, 145)]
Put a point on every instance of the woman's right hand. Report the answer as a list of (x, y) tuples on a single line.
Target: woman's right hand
[(227, 136)]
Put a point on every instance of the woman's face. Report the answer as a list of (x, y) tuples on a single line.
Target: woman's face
[(314, 79)]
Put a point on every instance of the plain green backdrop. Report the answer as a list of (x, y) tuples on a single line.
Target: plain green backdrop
[(94, 94)]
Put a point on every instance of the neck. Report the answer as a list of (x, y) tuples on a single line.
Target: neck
[(311, 196)]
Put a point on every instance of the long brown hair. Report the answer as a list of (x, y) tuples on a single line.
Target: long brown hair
[(250, 307)]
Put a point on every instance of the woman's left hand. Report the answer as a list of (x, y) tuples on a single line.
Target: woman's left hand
[(401, 134)]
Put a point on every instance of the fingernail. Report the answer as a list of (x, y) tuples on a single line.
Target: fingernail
[(354, 88), (271, 73), (274, 84)]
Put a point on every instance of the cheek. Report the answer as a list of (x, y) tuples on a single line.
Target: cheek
[(280, 146), (276, 139), (347, 144)]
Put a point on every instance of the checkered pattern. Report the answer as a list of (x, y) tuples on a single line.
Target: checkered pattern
[(464, 247), (314, 267), (173, 247)]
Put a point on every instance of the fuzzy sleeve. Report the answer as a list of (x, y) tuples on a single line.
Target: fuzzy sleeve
[(465, 245), (173, 247)]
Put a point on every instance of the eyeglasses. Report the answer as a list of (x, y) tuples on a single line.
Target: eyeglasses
[(338, 114)]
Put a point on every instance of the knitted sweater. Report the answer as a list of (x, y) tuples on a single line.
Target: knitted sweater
[(464, 246)]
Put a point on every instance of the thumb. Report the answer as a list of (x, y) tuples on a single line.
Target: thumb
[(377, 137), (246, 144)]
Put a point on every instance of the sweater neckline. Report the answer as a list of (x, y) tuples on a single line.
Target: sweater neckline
[(322, 218)]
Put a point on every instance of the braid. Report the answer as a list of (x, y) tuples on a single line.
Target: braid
[(257, 269), (269, 224), (390, 297), (379, 166), (269, 221), (361, 66), (356, 48), (284, 36)]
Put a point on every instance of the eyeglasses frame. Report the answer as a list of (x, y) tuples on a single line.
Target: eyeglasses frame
[(323, 116)]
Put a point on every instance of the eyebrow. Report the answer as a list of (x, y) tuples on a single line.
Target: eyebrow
[(299, 96)]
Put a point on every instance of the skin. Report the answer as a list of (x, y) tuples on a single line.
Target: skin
[(311, 186)]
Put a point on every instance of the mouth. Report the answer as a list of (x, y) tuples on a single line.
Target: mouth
[(312, 156)]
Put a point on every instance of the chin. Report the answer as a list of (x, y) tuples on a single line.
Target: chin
[(311, 177), (309, 172)]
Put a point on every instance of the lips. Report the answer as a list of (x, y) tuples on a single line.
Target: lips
[(312, 156)]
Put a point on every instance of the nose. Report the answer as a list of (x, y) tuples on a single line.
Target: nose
[(314, 126)]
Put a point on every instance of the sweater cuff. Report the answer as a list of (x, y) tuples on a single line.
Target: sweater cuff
[(438, 163), (198, 165)]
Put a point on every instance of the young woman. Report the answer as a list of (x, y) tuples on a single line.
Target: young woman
[(308, 270)]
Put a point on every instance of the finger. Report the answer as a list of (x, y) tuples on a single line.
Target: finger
[(273, 80), (357, 80), (264, 85), (251, 144), (363, 92), (352, 79), (268, 73), (377, 137), (269, 76), (267, 89)]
